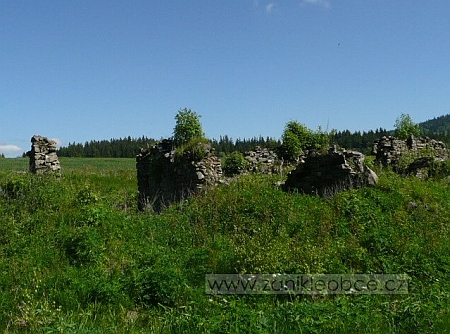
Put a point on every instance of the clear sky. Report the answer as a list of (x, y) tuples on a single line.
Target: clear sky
[(94, 69)]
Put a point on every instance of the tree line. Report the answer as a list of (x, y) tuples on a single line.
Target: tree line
[(128, 147), (114, 148)]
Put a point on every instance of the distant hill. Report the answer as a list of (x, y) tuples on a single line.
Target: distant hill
[(437, 127)]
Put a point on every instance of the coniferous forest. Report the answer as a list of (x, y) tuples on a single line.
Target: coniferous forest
[(437, 128)]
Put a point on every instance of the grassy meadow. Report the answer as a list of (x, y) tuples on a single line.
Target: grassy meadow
[(77, 257)]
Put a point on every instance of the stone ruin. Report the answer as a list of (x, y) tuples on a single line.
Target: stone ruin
[(165, 176), (417, 153), (43, 158), (263, 160), (326, 174)]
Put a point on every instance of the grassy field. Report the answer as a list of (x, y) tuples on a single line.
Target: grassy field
[(77, 257), (74, 164)]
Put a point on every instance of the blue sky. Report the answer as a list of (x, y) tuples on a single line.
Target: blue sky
[(82, 70)]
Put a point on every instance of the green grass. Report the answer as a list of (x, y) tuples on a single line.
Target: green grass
[(74, 164), (77, 257), (14, 164)]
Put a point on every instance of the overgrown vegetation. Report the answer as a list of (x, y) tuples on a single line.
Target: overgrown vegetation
[(405, 127), (77, 257), (297, 138), (195, 148), (234, 164), (188, 127)]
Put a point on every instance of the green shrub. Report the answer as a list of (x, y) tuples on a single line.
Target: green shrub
[(187, 126), (297, 138), (291, 148), (235, 163), (405, 127), (321, 140)]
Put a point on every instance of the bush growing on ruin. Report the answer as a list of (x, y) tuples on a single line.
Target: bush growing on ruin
[(235, 163), (405, 127), (297, 138), (196, 148), (188, 127), (291, 147)]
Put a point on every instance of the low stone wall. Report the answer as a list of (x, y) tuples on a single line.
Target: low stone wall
[(326, 174), (263, 160), (412, 156), (165, 177), (43, 158), (388, 150)]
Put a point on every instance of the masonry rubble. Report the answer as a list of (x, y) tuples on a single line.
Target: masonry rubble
[(423, 151), (388, 150), (326, 174), (43, 158), (165, 177), (263, 160)]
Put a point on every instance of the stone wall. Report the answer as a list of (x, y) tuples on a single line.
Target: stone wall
[(388, 150), (412, 156), (165, 177), (43, 158), (326, 174), (263, 160)]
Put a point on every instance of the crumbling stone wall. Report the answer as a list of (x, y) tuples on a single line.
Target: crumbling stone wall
[(326, 174), (416, 156), (263, 160), (43, 158), (165, 177), (388, 150)]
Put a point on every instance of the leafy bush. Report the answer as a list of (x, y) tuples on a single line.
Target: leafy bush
[(187, 126), (321, 140), (234, 163), (297, 138), (405, 127), (291, 147)]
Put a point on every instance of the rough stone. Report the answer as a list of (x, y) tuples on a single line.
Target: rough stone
[(263, 161), (326, 174), (421, 152), (43, 158), (388, 150), (165, 177)]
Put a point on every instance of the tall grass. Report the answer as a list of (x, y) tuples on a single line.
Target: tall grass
[(76, 256)]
